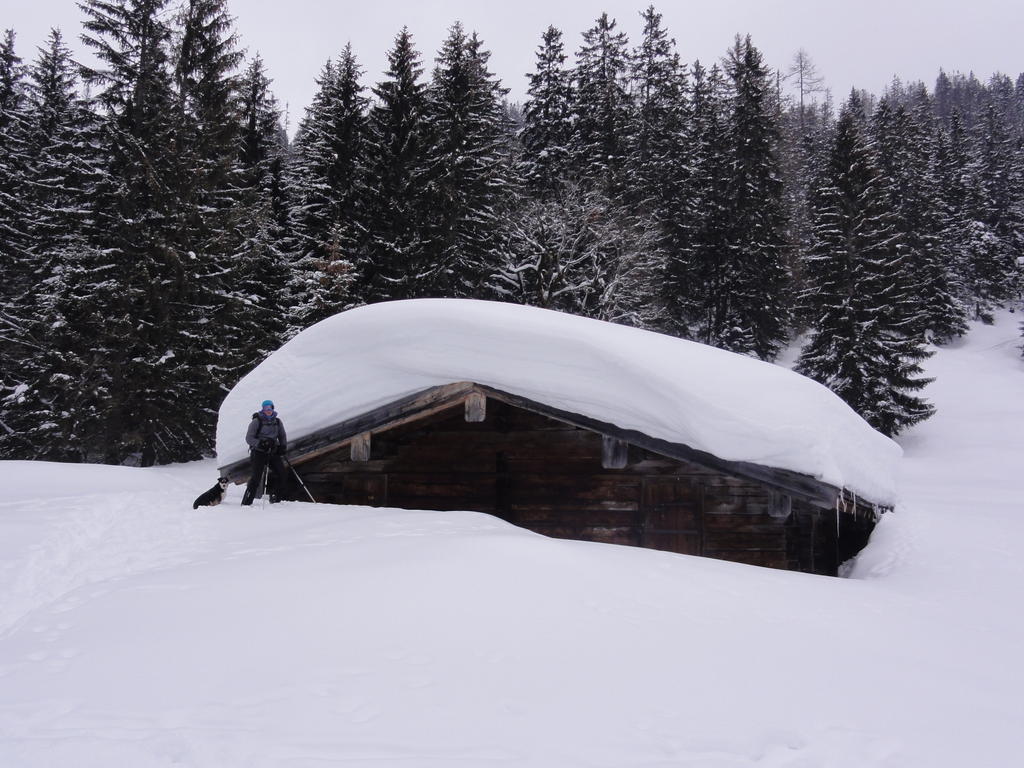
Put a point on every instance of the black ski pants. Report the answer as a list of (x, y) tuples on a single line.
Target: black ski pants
[(277, 484)]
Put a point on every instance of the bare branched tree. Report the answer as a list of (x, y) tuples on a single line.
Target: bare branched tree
[(803, 73)]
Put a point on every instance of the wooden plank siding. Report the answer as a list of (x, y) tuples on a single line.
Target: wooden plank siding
[(552, 477), (421, 405)]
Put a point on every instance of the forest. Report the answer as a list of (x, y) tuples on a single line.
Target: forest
[(161, 232)]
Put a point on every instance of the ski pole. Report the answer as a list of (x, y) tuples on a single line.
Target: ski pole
[(263, 485), (299, 478)]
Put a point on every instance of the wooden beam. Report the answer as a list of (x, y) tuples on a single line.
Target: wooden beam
[(614, 452), (389, 416), (781, 505), (361, 447), (476, 406)]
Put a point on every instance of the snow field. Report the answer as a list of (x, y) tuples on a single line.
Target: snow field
[(135, 631)]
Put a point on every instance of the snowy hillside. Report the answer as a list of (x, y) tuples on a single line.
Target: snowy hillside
[(137, 632)]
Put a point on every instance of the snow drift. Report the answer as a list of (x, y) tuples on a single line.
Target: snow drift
[(136, 631), (734, 407)]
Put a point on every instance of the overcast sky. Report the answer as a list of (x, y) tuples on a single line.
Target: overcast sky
[(861, 43)]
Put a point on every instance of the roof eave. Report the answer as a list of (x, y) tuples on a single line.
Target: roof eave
[(433, 399)]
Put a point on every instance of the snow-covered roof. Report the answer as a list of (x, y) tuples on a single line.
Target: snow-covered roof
[(729, 405)]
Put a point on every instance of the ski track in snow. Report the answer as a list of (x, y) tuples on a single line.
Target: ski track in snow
[(89, 544), (90, 547)]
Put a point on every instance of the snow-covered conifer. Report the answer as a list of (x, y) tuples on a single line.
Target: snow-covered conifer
[(694, 290), (904, 148), (943, 95), (759, 316), (857, 347), (263, 276), (327, 193), (656, 153), (14, 161), (133, 287), (467, 172), (218, 222), (805, 123), (264, 143), (547, 117), (727, 279), (60, 175), (390, 256), (994, 207), (602, 107)]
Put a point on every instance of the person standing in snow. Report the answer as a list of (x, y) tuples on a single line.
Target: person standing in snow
[(267, 444)]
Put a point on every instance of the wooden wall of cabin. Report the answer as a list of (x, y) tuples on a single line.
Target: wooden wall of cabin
[(546, 476), (820, 540)]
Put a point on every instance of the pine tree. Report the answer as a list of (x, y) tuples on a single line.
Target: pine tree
[(852, 268), (944, 105), (889, 137), (60, 174), (61, 139), (14, 240), (130, 289), (11, 87), (602, 107), (695, 289), (952, 180), (467, 170), (327, 192), (16, 262), (945, 316), (263, 275), (963, 94), (208, 90), (805, 124), (656, 158), (71, 385), (547, 115), (219, 227), (994, 206), (390, 257), (264, 143), (1018, 101), (904, 150), (758, 318), (1001, 97)]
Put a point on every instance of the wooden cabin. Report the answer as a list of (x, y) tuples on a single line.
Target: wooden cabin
[(464, 446)]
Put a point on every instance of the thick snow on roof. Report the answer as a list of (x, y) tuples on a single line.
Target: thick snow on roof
[(732, 406)]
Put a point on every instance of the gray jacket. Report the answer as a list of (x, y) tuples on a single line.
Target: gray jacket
[(266, 429)]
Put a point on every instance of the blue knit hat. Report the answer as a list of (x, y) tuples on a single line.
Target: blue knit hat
[(266, 403)]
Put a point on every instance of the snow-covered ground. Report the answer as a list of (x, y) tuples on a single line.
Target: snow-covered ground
[(136, 632)]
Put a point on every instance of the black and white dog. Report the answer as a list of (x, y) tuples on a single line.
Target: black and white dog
[(212, 497)]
